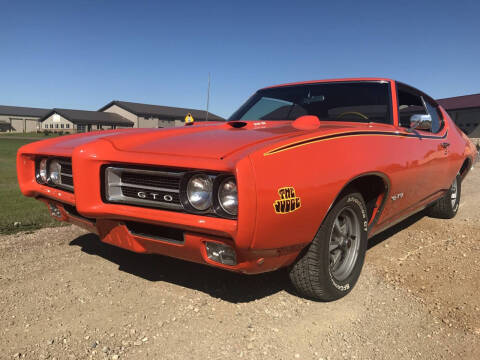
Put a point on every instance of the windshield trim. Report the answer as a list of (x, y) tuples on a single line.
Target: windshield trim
[(239, 113)]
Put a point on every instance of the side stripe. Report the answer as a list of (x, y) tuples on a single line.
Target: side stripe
[(350, 134)]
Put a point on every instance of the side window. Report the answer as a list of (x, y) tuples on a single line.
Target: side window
[(409, 103), (437, 121)]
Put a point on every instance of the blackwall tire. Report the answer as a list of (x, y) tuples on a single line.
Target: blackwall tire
[(328, 269), (447, 206)]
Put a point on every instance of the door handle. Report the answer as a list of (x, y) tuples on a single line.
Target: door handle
[(445, 145)]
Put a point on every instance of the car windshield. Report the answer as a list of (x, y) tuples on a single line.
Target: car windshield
[(338, 101)]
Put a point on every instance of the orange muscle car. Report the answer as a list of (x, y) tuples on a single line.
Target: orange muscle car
[(299, 177)]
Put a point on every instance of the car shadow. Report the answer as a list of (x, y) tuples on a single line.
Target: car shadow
[(226, 285), (384, 235), (218, 283)]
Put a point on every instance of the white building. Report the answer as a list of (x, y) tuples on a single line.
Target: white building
[(116, 114), (156, 116), (67, 120), (20, 119)]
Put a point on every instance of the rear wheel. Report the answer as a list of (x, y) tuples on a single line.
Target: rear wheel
[(329, 268), (447, 206)]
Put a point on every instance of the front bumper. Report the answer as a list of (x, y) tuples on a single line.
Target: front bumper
[(109, 220), (116, 233)]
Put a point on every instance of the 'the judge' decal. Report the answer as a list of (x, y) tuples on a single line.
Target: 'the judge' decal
[(288, 201)]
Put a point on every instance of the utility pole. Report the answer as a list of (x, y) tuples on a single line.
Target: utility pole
[(208, 96)]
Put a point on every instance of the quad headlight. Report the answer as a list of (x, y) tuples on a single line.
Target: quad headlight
[(42, 171), (54, 171), (199, 192), (227, 196), (204, 193)]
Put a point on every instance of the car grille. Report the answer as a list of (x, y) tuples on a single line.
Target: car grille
[(143, 187), (66, 175)]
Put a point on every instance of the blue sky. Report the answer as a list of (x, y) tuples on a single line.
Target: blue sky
[(84, 54)]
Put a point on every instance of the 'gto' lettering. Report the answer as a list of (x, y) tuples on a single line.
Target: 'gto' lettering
[(154, 196), (288, 201)]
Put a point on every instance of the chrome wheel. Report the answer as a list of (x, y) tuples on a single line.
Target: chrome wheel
[(454, 193), (344, 244)]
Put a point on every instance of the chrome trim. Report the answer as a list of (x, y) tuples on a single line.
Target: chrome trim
[(148, 172), (64, 186), (114, 183), (120, 183)]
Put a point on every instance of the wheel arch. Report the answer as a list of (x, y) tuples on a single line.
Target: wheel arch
[(467, 164), (374, 187)]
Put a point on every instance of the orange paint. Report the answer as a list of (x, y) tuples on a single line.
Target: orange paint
[(317, 161)]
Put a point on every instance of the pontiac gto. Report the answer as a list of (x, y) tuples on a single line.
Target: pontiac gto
[(301, 176)]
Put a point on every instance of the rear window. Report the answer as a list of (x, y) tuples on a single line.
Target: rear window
[(358, 102)]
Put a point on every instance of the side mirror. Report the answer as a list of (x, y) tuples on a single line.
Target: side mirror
[(420, 122)]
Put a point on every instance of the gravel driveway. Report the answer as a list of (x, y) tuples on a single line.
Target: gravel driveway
[(65, 295)]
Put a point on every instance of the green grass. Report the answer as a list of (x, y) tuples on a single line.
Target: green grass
[(27, 135), (14, 207)]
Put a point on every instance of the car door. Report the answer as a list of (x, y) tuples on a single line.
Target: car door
[(422, 174), (446, 169)]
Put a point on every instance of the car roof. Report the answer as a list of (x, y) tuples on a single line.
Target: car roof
[(386, 80), (329, 80)]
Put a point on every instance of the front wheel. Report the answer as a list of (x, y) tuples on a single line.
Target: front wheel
[(329, 268), (447, 206)]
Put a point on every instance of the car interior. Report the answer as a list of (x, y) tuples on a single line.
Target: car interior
[(355, 102)]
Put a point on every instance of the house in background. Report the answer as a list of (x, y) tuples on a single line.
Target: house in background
[(465, 111), (20, 119), (4, 126), (116, 114), (67, 120), (156, 116)]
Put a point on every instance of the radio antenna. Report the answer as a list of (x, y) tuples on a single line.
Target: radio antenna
[(208, 96)]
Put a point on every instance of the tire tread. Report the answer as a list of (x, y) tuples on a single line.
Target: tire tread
[(306, 275)]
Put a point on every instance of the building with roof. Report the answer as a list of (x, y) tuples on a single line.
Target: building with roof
[(20, 119), (156, 116), (68, 120), (116, 114), (465, 111)]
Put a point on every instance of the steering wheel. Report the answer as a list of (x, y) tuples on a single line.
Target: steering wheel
[(359, 114)]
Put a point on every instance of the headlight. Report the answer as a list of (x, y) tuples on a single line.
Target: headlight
[(54, 170), (199, 192), (227, 196), (42, 171)]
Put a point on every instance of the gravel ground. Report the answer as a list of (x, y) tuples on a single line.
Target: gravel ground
[(65, 295)]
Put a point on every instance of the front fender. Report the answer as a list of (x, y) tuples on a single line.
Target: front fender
[(316, 176)]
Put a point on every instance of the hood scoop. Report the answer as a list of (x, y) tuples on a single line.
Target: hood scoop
[(306, 122), (237, 124)]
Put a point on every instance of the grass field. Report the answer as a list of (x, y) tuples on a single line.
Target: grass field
[(27, 135), (14, 207)]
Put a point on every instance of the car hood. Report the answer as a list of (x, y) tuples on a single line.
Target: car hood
[(214, 140)]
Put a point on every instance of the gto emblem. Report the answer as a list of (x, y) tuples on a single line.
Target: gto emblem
[(154, 196), (288, 201)]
